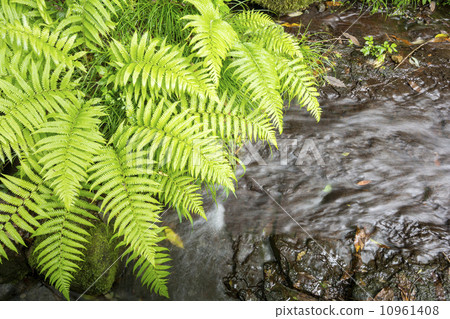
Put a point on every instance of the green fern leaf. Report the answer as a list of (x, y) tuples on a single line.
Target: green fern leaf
[(91, 19), (150, 67), (71, 143), (213, 38), (299, 83), (173, 140), (43, 42), (256, 69)]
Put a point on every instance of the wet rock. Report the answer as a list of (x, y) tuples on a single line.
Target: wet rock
[(38, 292), (315, 267), (405, 280), (276, 286), (13, 269), (246, 280)]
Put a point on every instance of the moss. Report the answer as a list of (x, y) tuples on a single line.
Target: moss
[(284, 6), (99, 256)]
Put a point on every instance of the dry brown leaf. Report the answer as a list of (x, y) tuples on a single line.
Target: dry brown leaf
[(386, 294), (351, 38), (333, 3), (432, 6), (403, 41), (360, 238), (362, 183), (414, 86), (173, 237)]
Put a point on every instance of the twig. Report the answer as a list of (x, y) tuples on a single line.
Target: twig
[(412, 53)]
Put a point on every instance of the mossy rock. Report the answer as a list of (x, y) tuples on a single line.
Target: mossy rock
[(284, 6), (100, 254)]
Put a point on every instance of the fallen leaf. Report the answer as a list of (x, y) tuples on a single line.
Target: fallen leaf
[(414, 86), (360, 238), (380, 244), (335, 82), (362, 183), (290, 25), (432, 6), (345, 154), (173, 237), (334, 3), (403, 41), (414, 61), (351, 38), (300, 255), (398, 58), (386, 294), (295, 14), (327, 188), (441, 35)]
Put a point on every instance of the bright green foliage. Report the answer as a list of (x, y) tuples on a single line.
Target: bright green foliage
[(122, 129)]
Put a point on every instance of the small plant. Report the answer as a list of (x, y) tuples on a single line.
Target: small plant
[(376, 50)]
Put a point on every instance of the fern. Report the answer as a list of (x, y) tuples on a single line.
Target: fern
[(176, 142), (71, 142), (299, 83), (129, 200), (229, 120), (213, 38), (254, 66), (151, 66), (42, 42), (91, 19), (27, 98)]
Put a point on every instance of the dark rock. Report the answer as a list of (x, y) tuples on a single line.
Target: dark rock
[(13, 269), (314, 266)]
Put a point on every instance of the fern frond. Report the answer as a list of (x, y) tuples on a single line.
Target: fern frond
[(180, 190), (11, 10), (213, 38), (64, 239), (42, 41), (26, 98), (40, 6), (229, 120), (151, 66), (18, 210), (251, 20), (129, 199), (91, 19), (256, 69), (154, 276), (298, 82), (175, 141), (71, 142)]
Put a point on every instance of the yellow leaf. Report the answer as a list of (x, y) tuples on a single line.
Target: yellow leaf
[(173, 238), (441, 35)]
